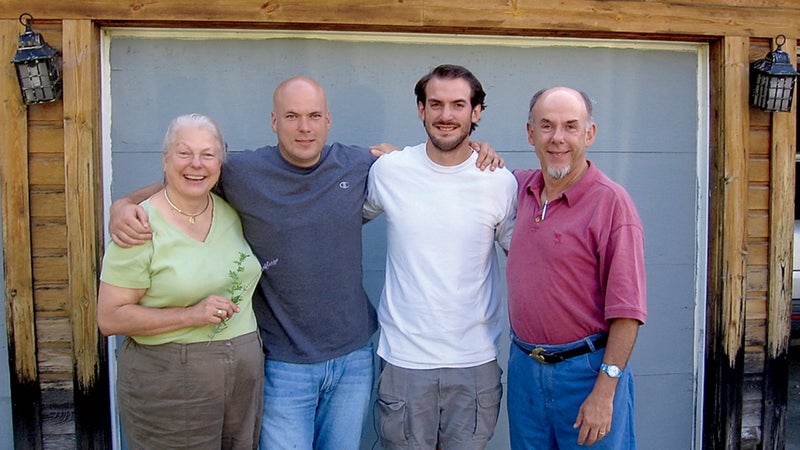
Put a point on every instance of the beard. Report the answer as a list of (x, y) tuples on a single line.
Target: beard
[(449, 144), (559, 173)]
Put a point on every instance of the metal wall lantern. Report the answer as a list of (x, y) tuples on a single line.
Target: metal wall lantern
[(773, 80), (38, 66)]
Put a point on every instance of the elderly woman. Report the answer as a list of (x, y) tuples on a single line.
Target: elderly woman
[(190, 373)]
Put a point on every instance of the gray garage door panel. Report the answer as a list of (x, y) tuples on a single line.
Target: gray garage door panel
[(647, 102)]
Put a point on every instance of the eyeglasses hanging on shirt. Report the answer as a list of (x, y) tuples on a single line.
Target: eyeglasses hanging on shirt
[(544, 212)]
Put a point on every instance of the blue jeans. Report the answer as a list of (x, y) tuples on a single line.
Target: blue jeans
[(543, 401), (317, 406)]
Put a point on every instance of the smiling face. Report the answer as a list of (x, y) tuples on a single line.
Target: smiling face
[(301, 119), (192, 162), (560, 131), (448, 115)]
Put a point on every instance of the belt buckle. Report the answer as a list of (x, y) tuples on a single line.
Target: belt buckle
[(537, 355)]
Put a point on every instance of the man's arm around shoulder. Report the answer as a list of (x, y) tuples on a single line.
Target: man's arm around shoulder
[(128, 223)]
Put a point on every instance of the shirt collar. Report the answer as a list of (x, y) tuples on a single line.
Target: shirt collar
[(573, 193)]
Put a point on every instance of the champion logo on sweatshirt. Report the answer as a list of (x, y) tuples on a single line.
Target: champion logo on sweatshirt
[(269, 264)]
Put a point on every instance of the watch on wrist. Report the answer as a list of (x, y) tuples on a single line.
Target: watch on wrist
[(611, 370)]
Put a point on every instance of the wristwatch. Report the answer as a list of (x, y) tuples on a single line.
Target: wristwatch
[(611, 370)]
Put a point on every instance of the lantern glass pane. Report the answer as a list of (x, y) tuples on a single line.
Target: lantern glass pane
[(27, 83), (41, 67), (760, 91), (780, 93), (23, 73), (37, 81), (773, 92), (44, 74)]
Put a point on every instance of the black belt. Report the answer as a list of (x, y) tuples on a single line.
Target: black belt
[(539, 354)]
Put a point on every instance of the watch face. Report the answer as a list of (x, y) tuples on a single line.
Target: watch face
[(611, 370)]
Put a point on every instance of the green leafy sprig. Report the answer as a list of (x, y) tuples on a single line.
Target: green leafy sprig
[(235, 290)]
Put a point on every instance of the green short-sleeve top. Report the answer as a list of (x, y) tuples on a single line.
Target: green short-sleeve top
[(178, 271)]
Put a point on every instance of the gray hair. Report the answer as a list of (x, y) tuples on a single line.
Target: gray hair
[(199, 121), (587, 101)]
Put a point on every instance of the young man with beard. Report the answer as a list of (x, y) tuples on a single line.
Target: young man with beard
[(300, 204), (440, 310)]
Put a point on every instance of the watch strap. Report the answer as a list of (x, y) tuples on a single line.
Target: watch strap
[(611, 370)]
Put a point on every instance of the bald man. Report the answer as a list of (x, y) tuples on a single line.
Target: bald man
[(300, 203), (576, 289), (301, 208)]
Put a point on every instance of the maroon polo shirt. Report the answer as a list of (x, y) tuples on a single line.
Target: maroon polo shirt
[(581, 266)]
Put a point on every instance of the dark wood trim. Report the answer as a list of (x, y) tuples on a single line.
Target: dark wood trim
[(778, 324), (776, 398), (664, 17), (25, 394), (82, 155), (724, 374), (93, 408), (26, 409)]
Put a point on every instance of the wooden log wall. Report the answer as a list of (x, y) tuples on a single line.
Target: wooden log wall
[(51, 200), (729, 122), (18, 251), (665, 19), (52, 212), (770, 234)]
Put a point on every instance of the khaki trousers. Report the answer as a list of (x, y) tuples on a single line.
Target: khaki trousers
[(198, 396)]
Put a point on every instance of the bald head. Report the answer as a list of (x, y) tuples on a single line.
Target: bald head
[(301, 119), (560, 128), (562, 90), (298, 87)]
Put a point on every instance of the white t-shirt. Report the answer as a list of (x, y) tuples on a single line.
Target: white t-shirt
[(441, 302)]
